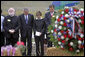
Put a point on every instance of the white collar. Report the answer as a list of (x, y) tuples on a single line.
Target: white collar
[(40, 18), (51, 12)]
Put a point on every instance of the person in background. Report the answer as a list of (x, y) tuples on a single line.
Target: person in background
[(48, 16), (11, 26), (26, 21), (2, 30), (39, 32)]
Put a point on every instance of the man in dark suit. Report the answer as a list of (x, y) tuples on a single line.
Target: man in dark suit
[(48, 16), (26, 21), (11, 26)]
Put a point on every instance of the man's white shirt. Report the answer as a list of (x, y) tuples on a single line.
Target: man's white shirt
[(2, 19)]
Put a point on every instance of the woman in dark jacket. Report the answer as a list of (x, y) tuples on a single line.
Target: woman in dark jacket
[(39, 31)]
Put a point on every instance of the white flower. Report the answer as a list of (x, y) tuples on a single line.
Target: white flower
[(71, 18), (79, 42), (81, 9), (60, 27), (61, 18), (57, 17), (81, 35), (79, 15), (59, 43), (61, 46), (62, 37), (56, 25), (78, 51), (64, 28), (61, 22), (66, 15), (51, 31), (78, 12), (75, 12), (62, 12), (66, 7), (59, 33), (53, 16), (71, 43), (67, 39), (68, 20), (56, 22), (79, 21)]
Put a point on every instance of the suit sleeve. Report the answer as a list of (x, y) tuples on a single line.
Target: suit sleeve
[(18, 24), (44, 27), (34, 26)]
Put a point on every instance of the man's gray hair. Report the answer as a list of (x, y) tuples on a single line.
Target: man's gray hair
[(11, 9)]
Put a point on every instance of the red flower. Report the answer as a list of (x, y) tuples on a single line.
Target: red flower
[(20, 43), (69, 36), (65, 36), (54, 30), (82, 22), (82, 11), (82, 38), (82, 32), (82, 18), (63, 41), (69, 45), (75, 10), (66, 10), (65, 24), (64, 18), (61, 15), (67, 31), (58, 20), (79, 39), (62, 31), (82, 46), (59, 39), (71, 49)]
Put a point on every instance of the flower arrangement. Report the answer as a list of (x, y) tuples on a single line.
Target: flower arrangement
[(21, 46), (67, 29), (10, 51)]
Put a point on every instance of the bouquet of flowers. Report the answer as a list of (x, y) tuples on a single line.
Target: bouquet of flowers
[(21, 46), (10, 51)]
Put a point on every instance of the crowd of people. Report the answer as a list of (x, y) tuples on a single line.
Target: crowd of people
[(26, 23)]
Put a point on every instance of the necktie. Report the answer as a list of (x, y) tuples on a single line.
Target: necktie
[(26, 20)]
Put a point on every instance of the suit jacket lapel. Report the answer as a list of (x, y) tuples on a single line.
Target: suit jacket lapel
[(28, 17)]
